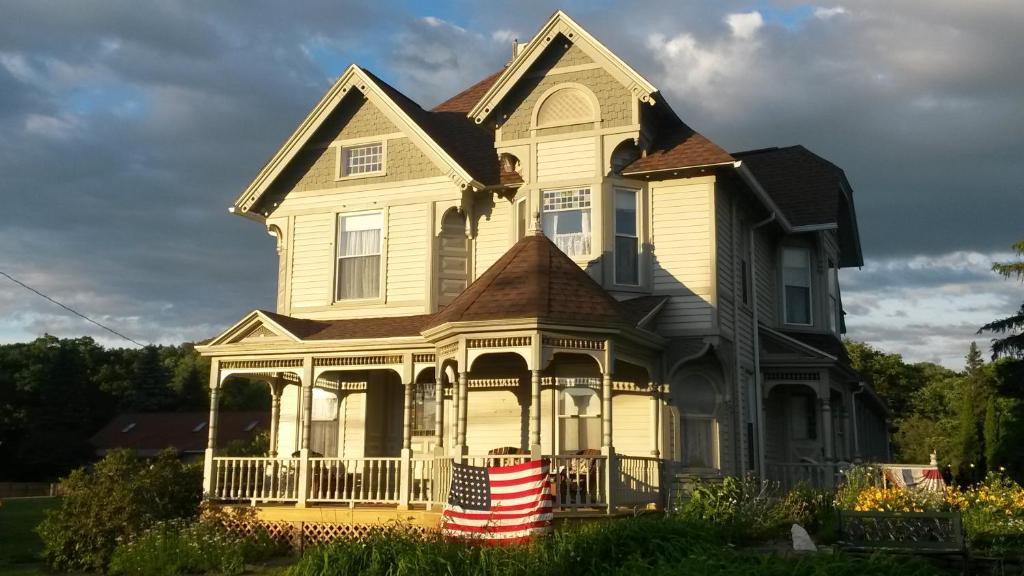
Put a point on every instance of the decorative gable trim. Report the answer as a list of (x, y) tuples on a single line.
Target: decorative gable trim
[(255, 327), (798, 347), (560, 23), (354, 78)]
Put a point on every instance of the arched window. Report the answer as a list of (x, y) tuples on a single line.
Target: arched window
[(698, 409), (564, 106)]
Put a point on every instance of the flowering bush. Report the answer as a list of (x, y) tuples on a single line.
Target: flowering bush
[(894, 499), (992, 512)]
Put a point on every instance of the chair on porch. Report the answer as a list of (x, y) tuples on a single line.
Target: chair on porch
[(577, 479), (504, 451)]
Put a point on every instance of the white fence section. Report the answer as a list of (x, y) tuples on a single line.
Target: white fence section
[(639, 481), (255, 479), (492, 460), (370, 480), (431, 480)]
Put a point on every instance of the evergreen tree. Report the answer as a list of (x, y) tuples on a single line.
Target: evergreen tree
[(149, 382), (971, 433), (1011, 345), (992, 434)]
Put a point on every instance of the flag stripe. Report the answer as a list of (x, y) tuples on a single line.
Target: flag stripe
[(499, 504)]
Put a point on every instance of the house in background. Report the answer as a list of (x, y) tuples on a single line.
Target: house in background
[(149, 433), (549, 264)]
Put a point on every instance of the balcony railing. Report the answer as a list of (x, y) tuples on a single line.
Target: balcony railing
[(577, 482)]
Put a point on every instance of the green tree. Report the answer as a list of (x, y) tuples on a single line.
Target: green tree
[(887, 373), (993, 434), (1012, 344), (149, 382)]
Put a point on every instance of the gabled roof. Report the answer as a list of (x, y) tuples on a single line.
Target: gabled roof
[(811, 191), (151, 432), (444, 143), (559, 23), (534, 280)]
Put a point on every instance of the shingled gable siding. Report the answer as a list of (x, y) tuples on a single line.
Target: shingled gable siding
[(681, 233), (615, 100), (316, 166)]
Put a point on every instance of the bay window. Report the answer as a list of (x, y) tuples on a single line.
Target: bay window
[(567, 220), (627, 242), (359, 250), (796, 279)]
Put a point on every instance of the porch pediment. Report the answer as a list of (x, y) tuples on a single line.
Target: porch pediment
[(255, 328), (777, 346)]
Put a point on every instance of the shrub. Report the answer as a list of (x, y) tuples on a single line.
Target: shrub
[(187, 547), (856, 480), (993, 513), (812, 508), (741, 508), (114, 501)]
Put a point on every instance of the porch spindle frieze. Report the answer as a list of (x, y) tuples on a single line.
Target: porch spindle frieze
[(448, 351), (330, 361), (424, 358), (502, 342), (255, 364), (570, 343)]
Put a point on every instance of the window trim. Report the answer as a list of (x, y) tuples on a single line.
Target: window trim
[(342, 146), (562, 384), (335, 248), (590, 208), (810, 286), (635, 236)]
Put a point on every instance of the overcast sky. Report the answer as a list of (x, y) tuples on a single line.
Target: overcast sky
[(129, 128)]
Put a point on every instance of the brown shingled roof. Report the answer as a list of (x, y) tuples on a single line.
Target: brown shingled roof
[(676, 146), (352, 328), (149, 433), (464, 101), (534, 279)]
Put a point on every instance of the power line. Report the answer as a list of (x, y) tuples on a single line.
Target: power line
[(69, 309)]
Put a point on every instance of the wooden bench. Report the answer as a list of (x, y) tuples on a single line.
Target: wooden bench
[(924, 533)]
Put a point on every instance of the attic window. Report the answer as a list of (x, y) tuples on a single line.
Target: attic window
[(128, 428), (199, 427), (361, 160), (565, 106)]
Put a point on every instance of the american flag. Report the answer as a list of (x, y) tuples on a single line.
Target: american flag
[(500, 504)]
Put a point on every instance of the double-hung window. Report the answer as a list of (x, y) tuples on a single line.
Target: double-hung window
[(362, 160), (627, 242), (424, 409), (359, 249), (796, 279), (567, 220)]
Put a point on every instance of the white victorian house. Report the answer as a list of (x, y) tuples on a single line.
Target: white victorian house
[(549, 264)]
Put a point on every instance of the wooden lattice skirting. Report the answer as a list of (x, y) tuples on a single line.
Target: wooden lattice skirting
[(299, 535)]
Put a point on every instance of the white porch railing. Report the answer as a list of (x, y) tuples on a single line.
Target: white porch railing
[(352, 480), (789, 475), (255, 479), (639, 481), (580, 481)]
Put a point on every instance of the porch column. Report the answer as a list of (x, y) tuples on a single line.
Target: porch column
[(655, 417), (460, 440), (306, 418), (606, 410), (439, 409), (211, 438), (405, 482), (276, 389), (535, 413), (826, 428)]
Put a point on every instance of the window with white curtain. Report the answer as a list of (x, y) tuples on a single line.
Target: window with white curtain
[(323, 430), (424, 409), (699, 422), (796, 279), (359, 249), (362, 160), (579, 415), (567, 220), (627, 243)]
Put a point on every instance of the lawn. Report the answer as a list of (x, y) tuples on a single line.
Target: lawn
[(19, 544)]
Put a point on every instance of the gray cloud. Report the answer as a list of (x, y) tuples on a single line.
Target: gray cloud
[(129, 129)]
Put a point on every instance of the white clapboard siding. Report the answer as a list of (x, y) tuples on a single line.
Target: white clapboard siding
[(407, 252), (573, 159), (287, 437), (494, 420), (631, 424), (682, 235), (493, 236), (312, 260)]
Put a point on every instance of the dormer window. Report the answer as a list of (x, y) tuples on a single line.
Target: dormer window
[(796, 279), (567, 220), (361, 160)]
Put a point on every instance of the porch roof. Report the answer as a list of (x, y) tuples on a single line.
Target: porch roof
[(535, 279)]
